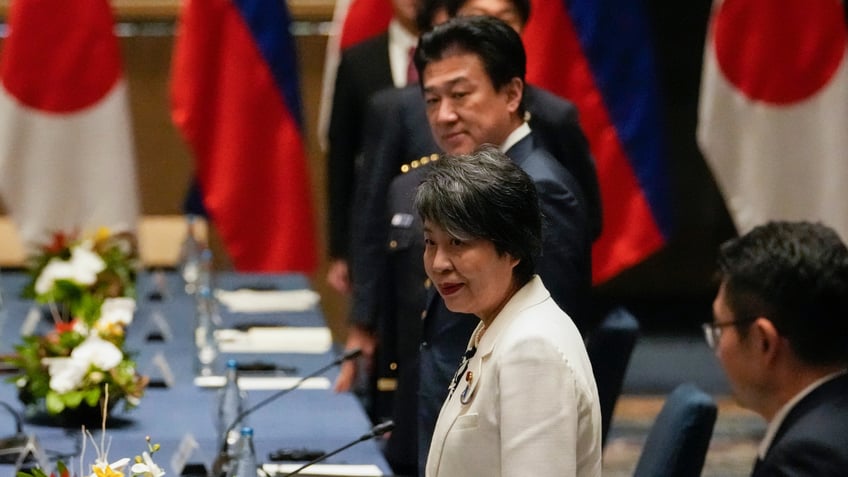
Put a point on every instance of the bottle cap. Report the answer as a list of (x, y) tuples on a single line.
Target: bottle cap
[(246, 431)]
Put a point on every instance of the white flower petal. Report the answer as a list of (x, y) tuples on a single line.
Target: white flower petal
[(65, 373), (99, 352), (56, 269), (86, 264), (117, 310)]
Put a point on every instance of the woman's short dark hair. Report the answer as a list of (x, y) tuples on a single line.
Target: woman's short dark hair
[(484, 195), (796, 275)]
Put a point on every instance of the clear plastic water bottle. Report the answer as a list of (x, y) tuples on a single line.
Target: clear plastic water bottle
[(190, 255), (204, 338), (230, 406), (244, 464), (205, 275)]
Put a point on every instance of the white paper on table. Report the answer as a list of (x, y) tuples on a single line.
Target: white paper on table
[(265, 301), (275, 339), (253, 383), (353, 470)]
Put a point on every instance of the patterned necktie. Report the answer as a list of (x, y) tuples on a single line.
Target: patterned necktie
[(411, 70), (463, 366)]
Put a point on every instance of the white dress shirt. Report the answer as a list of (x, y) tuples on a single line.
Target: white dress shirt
[(400, 41)]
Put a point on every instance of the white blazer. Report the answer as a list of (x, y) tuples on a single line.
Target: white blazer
[(528, 405)]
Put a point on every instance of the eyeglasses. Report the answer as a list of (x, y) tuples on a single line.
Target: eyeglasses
[(712, 330)]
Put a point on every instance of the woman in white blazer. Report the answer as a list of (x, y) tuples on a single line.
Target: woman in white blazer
[(523, 401)]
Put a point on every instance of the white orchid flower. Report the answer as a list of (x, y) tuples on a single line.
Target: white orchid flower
[(66, 374), (86, 263), (82, 268), (116, 311), (99, 352), (101, 468), (56, 269), (147, 468)]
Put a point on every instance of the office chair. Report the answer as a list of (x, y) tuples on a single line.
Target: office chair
[(678, 440), (610, 347)]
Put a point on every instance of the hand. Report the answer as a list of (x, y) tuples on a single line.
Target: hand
[(338, 276), (363, 339)]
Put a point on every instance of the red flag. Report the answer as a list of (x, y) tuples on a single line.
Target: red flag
[(66, 151), (236, 100), (364, 19)]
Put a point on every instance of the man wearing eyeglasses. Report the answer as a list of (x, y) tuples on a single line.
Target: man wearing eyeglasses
[(780, 331)]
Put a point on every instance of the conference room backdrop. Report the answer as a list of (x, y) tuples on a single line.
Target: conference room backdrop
[(670, 290)]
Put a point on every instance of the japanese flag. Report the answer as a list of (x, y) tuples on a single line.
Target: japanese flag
[(66, 151), (773, 117)]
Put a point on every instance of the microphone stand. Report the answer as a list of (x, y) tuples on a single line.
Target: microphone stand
[(223, 457), (375, 431)]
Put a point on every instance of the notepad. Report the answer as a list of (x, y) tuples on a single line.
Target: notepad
[(275, 339), (249, 383), (363, 470), (267, 301)]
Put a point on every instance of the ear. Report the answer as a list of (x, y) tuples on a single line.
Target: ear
[(513, 261), (514, 92), (767, 340)]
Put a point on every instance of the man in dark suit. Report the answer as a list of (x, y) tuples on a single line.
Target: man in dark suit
[(378, 63), (780, 331)]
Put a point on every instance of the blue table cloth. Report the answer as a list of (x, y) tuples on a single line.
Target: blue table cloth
[(311, 419)]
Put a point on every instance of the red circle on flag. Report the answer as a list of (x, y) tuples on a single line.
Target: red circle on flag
[(779, 52), (60, 56)]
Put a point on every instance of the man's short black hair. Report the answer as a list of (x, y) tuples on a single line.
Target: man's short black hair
[(521, 6), (796, 275), (497, 45)]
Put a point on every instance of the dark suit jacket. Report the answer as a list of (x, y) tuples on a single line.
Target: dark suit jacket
[(363, 70), (565, 266), (813, 439)]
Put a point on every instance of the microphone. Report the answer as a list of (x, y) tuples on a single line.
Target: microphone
[(13, 448), (375, 431), (222, 458)]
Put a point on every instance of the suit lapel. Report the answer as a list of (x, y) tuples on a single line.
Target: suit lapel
[(521, 150), (836, 386)]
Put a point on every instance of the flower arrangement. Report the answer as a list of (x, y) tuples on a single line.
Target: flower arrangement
[(79, 274), (143, 466), (89, 286)]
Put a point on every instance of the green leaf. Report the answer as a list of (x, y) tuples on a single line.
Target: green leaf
[(35, 473), (92, 396), (73, 399), (54, 402)]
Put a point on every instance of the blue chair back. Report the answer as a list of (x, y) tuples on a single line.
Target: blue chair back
[(679, 438), (610, 347)]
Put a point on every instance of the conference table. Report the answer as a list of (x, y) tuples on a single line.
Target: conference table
[(286, 332)]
